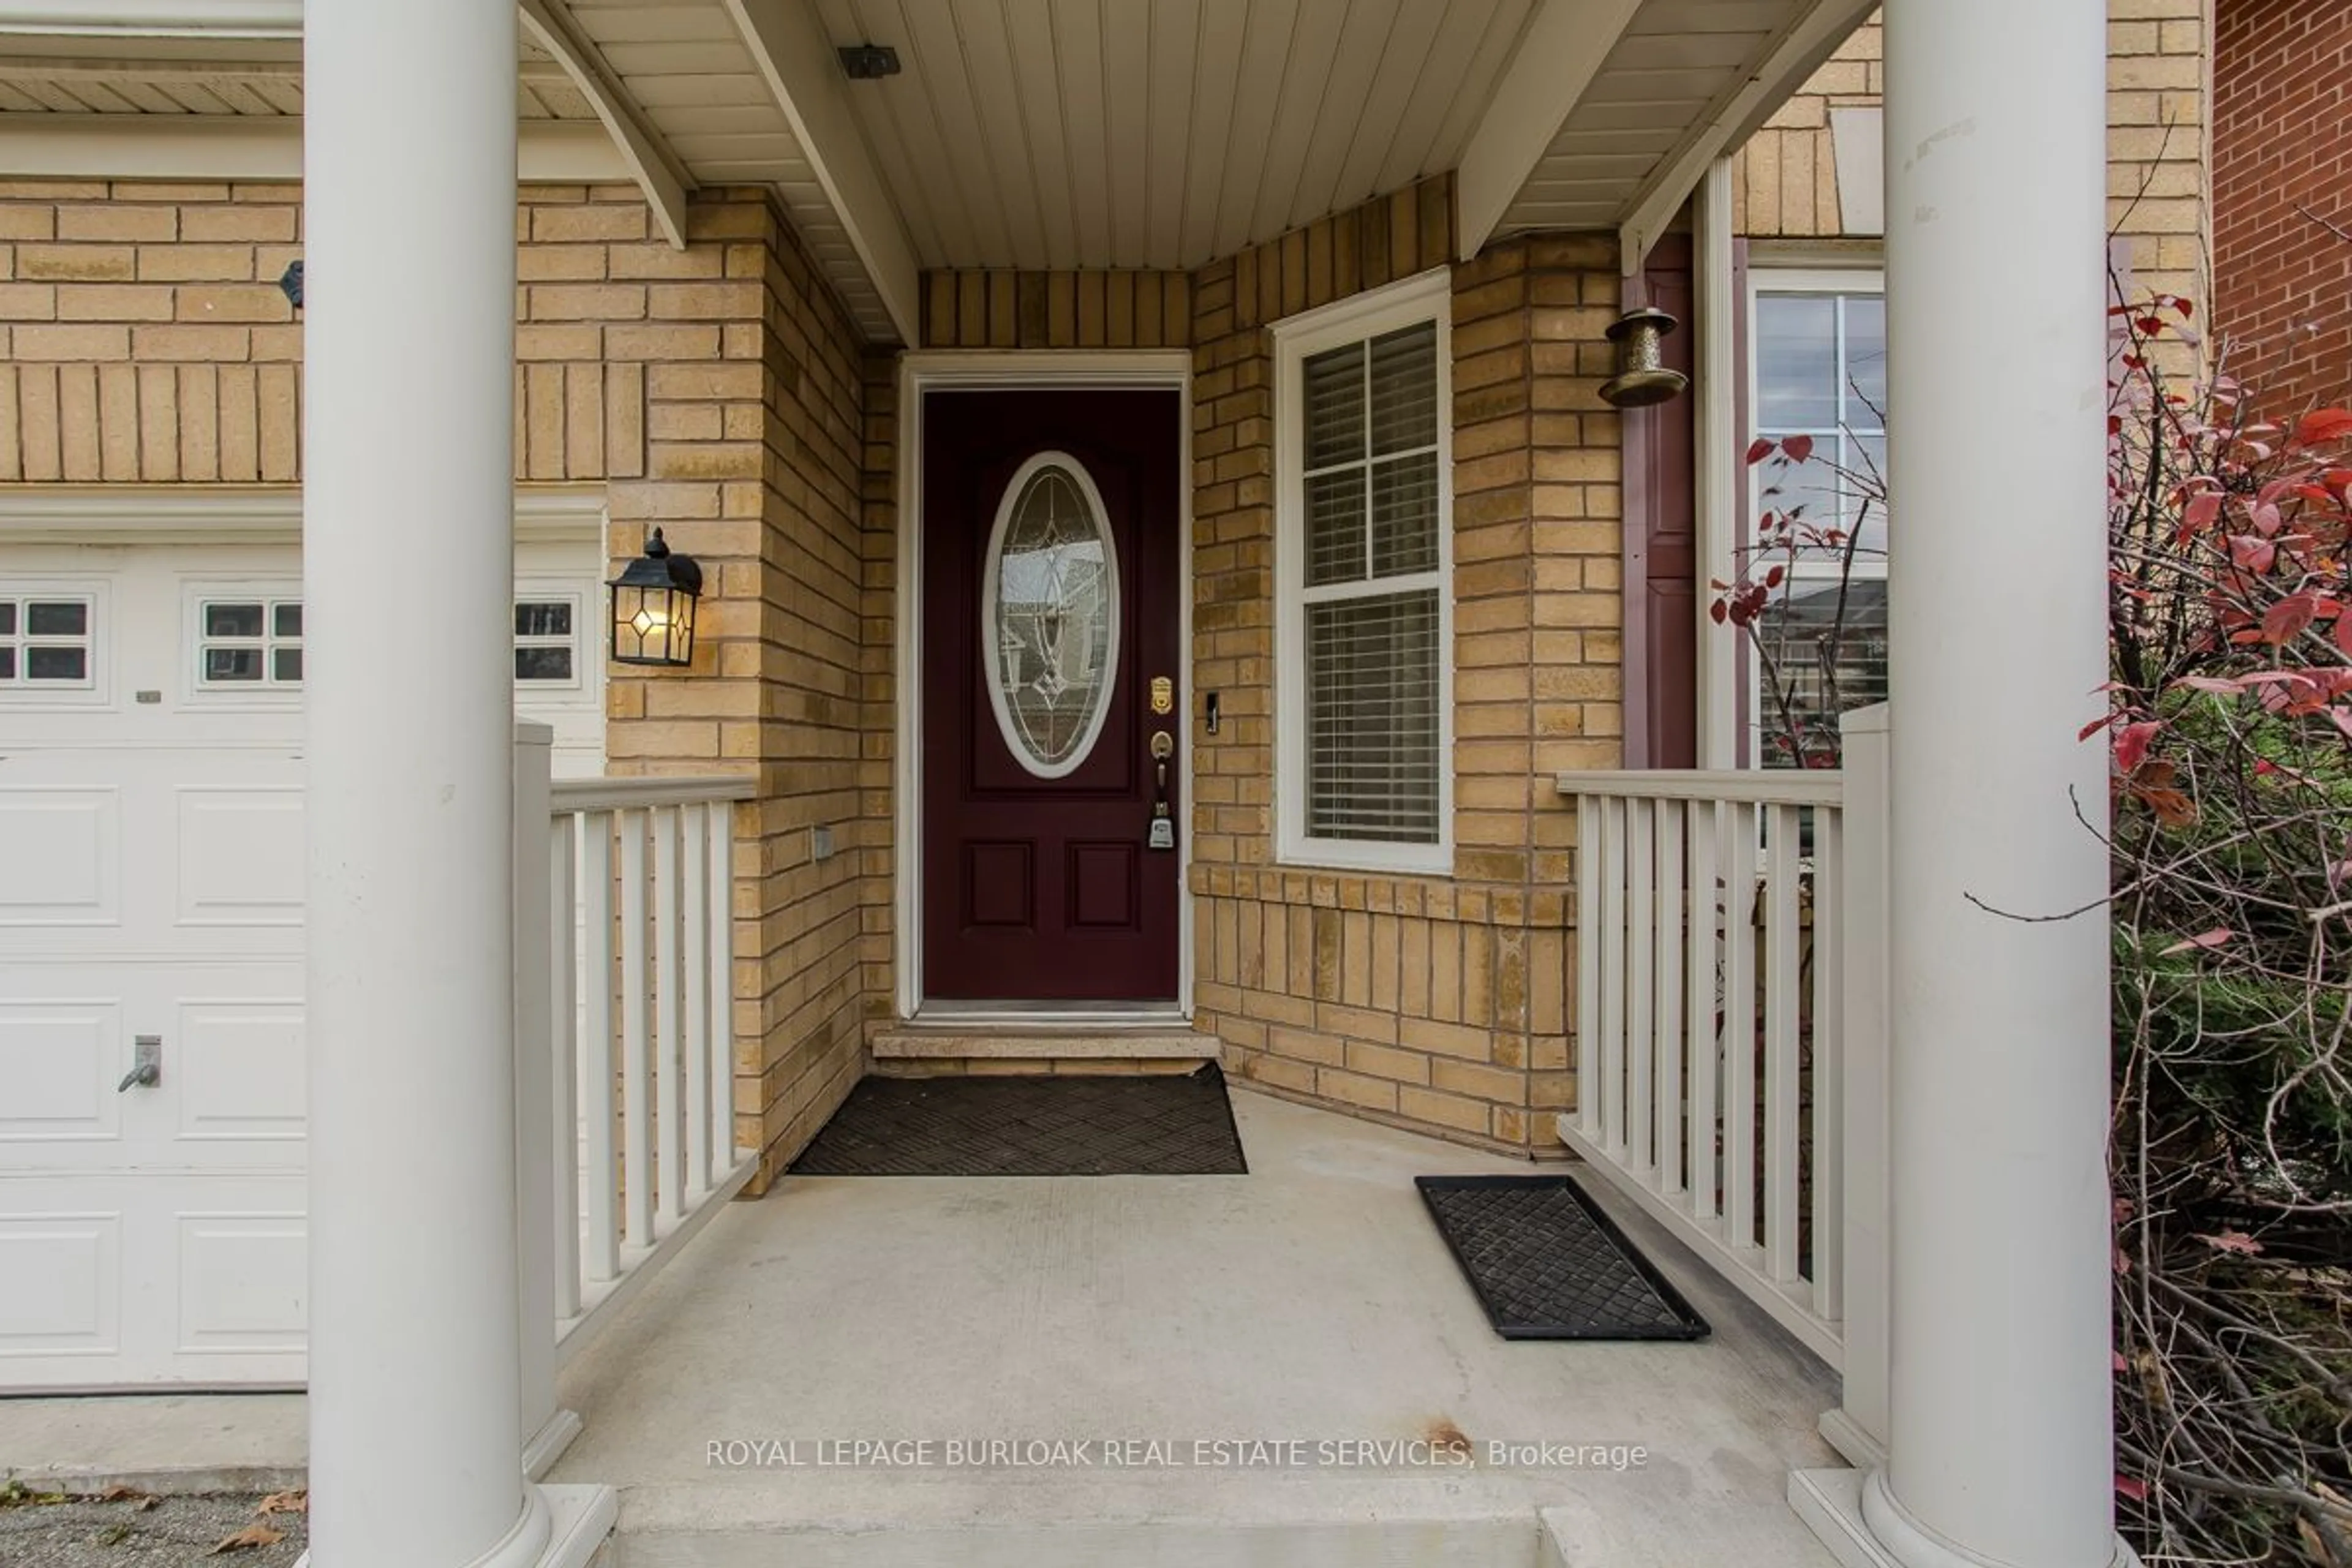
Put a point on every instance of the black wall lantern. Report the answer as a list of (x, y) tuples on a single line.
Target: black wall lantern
[(653, 607)]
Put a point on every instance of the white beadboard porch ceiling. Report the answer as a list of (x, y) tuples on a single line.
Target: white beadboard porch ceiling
[(690, 69), (1677, 65), (260, 81), (1162, 133)]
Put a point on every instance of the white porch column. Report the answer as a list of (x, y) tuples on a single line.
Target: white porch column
[(408, 538), (2001, 1446)]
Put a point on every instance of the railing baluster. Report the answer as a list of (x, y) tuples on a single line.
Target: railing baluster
[(1666, 1126), (640, 921), (1612, 979), (1701, 1006), (604, 1176), (694, 861), (1740, 1031), (637, 1034), (1641, 1000), (1586, 980), (1828, 1270), (720, 893), (563, 1053), (1713, 957), (1783, 942), (669, 1021)]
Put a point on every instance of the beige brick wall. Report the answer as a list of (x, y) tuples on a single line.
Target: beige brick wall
[(717, 392), (143, 338), (1088, 310), (1784, 180), (1436, 1003), (2159, 56), (878, 686), (756, 465)]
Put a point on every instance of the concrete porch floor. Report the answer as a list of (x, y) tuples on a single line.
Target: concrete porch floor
[(1311, 1300)]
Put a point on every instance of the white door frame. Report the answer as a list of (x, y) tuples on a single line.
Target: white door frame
[(1027, 371)]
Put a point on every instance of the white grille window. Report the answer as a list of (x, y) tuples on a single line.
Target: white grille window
[(1364, 669), (48, 640), (545, 652), (256, 643), (1818, 354), (249, 643)]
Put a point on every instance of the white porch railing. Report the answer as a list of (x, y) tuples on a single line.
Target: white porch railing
[(643, 1036), (1717, 951), (624, 1034)]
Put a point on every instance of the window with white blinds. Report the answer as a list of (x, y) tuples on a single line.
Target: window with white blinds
[(1363, 676)]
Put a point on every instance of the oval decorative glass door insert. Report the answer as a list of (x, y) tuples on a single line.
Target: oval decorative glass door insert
[(1049, 615)]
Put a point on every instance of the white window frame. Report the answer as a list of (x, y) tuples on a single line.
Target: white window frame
[(525, 593), (269, 595), (199, 589), (1425, 298), (1820, 276), (91, 689)]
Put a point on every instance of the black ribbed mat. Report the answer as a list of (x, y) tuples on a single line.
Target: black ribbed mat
[(1079, 1124), (1548, 1264)]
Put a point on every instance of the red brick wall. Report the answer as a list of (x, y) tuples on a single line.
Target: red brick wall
[(2282, 163)]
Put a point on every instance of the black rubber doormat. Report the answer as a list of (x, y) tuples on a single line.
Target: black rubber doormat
[(1082, 1124), (1548, 1264)]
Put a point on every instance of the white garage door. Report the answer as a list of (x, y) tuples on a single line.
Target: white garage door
[(151, 892)]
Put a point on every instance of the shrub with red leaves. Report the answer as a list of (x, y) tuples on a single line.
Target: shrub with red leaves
[(2229, 817)]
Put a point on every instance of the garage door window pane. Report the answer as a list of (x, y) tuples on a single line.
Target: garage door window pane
[(543, 641), (57, 663), (250, 643), (542, 664), (46, 640), (52, 619), (232, 664), (543, 618)]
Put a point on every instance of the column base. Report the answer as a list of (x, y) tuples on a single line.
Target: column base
[(1862, 1525), (561, 1527)]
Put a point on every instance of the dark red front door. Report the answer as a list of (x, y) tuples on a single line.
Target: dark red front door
[(1050, 583)]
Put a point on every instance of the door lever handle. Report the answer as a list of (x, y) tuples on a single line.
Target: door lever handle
[(147, 1064)]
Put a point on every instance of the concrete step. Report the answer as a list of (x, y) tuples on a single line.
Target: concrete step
[(1011, 1521), (1235, 1522), (1155, 1046)]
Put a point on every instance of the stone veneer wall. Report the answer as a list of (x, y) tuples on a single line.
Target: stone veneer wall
[(717, 392)]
